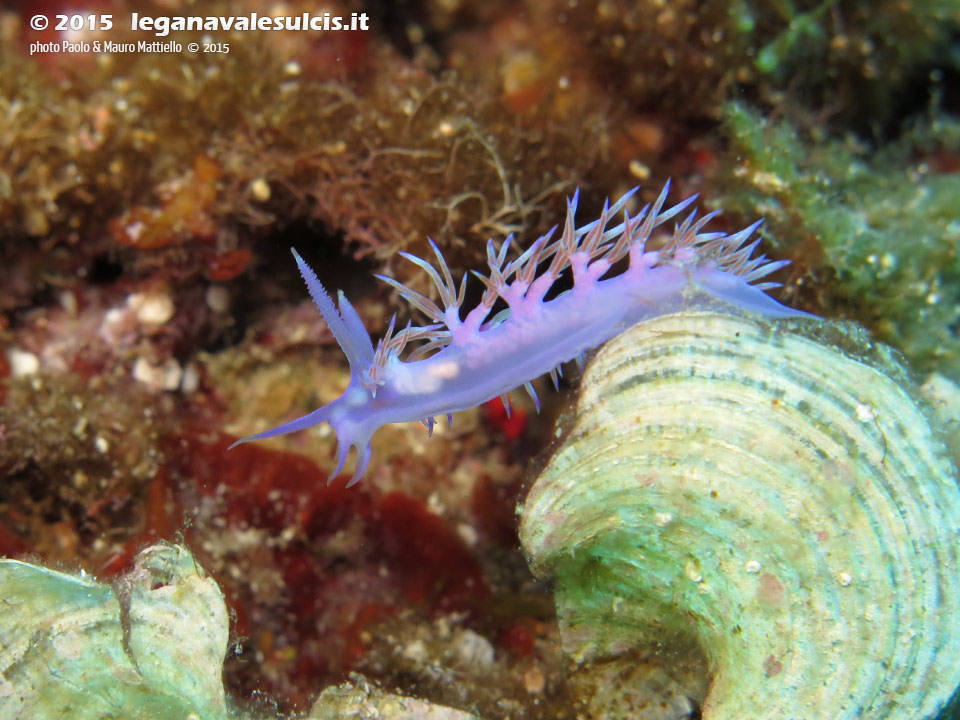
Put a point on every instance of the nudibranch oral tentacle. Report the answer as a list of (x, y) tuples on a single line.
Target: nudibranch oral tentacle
[(462, 360)]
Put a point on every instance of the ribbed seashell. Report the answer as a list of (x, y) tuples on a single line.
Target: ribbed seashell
[(771, 491), (151, 647)]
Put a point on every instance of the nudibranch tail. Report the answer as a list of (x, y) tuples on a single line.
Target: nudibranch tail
[(349, 434), (462, 359), (301, 423)]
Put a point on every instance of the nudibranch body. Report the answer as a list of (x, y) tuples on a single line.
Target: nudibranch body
[(464, 361)]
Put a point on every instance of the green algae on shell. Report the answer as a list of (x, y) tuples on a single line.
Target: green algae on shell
[(776, 498)]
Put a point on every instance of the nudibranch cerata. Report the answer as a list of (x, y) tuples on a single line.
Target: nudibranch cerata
[(463, 360)]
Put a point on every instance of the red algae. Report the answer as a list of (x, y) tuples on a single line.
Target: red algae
[(512, 425), (435, 567), (311, 566), (517, 639), (11, 544), (228, 265)]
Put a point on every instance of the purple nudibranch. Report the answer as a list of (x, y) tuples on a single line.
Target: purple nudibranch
[(464, 361)]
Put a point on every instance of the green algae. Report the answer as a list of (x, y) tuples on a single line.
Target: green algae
[(874, 232), (852, 58)]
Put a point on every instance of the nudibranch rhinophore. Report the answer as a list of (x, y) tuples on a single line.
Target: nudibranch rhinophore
[(771, 492), (466, 360)]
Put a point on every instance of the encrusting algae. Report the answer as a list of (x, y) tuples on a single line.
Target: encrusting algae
[(874, 231)]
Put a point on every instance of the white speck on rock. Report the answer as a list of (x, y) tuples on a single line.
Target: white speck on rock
[(68, 301), (472, 651), (151, 309), (468, 534), (158, 377), (218, 298), (22, 363), (415, 651), (172, 375), (191, 379)]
